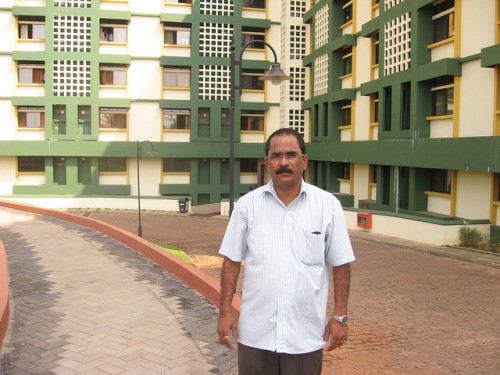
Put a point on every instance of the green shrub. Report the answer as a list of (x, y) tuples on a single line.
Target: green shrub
[(470, 236)]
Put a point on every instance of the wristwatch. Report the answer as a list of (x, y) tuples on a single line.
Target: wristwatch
[(342, 319)]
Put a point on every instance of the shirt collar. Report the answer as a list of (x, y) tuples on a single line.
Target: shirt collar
[(269, 188)]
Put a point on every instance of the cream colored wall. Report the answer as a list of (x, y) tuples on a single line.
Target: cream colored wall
[(476, 100), (145, 121), (139, 26), (146, 7), (439, 205), (8, 31), (9, 76), (8, 118), (8, 175), (361, 178), (362, 115), (363, 60), (442, 128), (145, 79), (150, 174), (443, 51), (478, 186), (172, 178), (478, 26)]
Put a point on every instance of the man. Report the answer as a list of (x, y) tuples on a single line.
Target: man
[(289, 233)]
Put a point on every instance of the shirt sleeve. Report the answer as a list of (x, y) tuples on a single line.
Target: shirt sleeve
[(234, 245), (338, 247)]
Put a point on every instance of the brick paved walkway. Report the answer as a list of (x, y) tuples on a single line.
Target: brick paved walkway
[(83, 303)]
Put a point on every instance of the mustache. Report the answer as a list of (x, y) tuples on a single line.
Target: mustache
[(284, 170)]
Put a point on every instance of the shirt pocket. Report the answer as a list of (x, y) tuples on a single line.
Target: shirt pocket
[(311, 248)]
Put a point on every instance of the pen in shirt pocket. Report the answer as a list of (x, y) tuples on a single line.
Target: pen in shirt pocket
[(316, 232)]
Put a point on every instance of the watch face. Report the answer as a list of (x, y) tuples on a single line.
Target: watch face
[(344, 319)]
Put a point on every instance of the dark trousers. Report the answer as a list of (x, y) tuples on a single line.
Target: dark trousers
[(253, 361)]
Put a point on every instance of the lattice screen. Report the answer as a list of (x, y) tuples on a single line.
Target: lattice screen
[(388, 4), (72, 34), (71, 78), (321, 27), (296, 120), (397, 44), (321, 75), (218, 7), (297, 84), (215, 39), (214, 82), (73, 3), (297, 42), (297, 8)]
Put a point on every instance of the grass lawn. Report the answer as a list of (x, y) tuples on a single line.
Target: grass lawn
[(175, 251)]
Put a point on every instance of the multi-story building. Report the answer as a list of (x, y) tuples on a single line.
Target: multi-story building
[(405, 113), (398, 101)]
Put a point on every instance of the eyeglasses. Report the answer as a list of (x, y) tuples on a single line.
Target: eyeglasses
[(289, 156)]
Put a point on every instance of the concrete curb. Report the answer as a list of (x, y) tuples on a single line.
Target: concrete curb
[(4, 295), (204, 284)]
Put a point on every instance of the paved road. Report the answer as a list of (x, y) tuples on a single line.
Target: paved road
[(414, 309), (84, 304)]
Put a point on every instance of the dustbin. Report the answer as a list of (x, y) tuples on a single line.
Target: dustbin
[(183, 205)]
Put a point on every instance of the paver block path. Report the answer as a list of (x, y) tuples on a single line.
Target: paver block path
[(83, 303)]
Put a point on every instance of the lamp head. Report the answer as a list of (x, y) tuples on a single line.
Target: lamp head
[(275, 74)]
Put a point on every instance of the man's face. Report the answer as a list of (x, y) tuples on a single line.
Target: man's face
[(285, 162)]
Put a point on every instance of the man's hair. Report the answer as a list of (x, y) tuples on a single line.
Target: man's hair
[(286, 131)]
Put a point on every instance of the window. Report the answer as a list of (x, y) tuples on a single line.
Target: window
[(346, 106), (347, 61), (113, 118), (440, 181), (112, 165), (260, 4), (204, 116), (113, 75), (84, 120), (176, 165), (250, 34), (114, 31), (346, 171), (177, 34), (442, 96), (178, 1), (225, 116), (31, 73), (30, 164), (252, 120), (443, 20), (31, 117), (387, 108), (406, 107), (347, 9), (31, 28), (250, 79), (175, 119), (176, 77), (374, 108), (248, 165), (375, 48), (59, 115)]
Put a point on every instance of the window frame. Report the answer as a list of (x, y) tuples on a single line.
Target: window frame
[(440, 177), (176, 165), (30, 22), (346, 111), (184, 119), (440, 101), (37, 163), (37, 72), (104, 75), (175, 28), (176, 70), (250, 4), (250, 80), (347, 11), (112, 113), (113, 24), (347, 54), (249, 33), (250, 115), (23, 114), (443, 21), (110, 163)]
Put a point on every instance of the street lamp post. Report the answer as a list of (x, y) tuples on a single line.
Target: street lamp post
[(275, 74), (139, 155)]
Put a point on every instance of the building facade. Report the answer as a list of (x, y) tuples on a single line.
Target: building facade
[(398, 102)]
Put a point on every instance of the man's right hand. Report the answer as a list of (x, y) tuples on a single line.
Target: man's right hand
[(227, 324)]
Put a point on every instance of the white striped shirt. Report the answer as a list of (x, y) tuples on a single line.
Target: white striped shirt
[(287, 253)]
